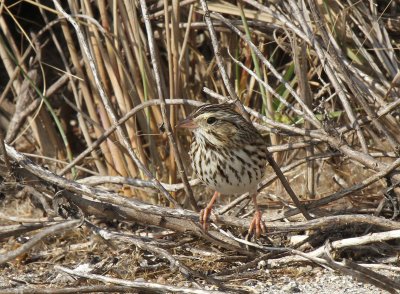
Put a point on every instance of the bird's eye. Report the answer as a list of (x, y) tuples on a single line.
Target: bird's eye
[(211, 120)]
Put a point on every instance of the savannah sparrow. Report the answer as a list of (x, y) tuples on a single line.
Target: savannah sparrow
[(228, 154)]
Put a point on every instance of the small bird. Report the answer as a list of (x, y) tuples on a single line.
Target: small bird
[(228, 154)]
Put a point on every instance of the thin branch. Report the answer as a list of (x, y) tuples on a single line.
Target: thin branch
[(144, 286)]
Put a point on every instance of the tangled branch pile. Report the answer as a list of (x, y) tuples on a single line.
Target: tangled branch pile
[(90, 96)]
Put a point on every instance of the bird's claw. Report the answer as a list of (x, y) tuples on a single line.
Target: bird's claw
[(257, 225)]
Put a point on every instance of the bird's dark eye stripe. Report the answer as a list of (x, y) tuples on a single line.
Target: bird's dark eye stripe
[(211, 120)]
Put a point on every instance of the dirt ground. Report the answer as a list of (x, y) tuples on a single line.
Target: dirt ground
[(82, 249)]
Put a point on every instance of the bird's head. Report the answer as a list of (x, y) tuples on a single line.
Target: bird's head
[(215, 124)]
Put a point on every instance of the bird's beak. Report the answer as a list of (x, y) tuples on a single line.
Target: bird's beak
[(187, 123)]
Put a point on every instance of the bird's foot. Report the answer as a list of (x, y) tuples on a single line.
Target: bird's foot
[(257, 225), (204, 216)]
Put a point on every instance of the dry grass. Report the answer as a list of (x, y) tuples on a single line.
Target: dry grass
[(320, 82)]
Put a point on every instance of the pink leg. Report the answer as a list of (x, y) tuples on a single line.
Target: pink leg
[(256, 223), (205, 213)]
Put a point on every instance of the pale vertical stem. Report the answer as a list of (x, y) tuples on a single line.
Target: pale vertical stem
[(176, 75), (300, 61)]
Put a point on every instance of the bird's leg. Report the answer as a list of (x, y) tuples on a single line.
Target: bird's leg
[(256, 223), (205, 213)]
